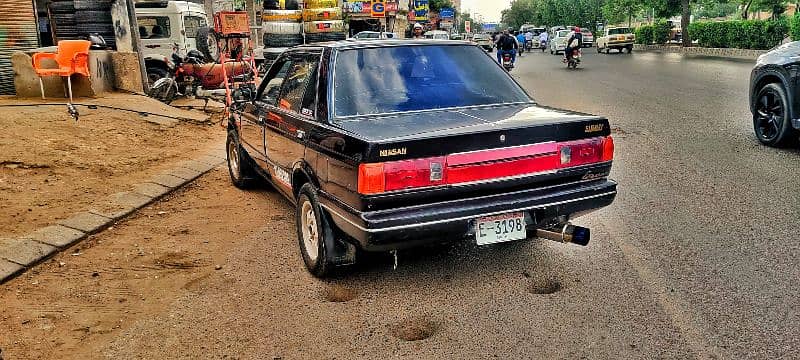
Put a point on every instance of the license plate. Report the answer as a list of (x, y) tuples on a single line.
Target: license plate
[(500, 228), (620, 38)]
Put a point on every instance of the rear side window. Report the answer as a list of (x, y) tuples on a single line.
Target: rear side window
[(298, 80), (272, 89), (153, 27)]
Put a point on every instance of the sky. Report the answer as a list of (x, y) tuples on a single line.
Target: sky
[(490, 9)]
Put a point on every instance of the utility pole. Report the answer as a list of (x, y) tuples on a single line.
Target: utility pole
[(126, 30)]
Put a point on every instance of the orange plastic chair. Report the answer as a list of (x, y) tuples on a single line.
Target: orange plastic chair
[(72, 57)]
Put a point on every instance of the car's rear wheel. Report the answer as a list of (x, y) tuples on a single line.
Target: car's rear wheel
[(239, 167), (314, 232), (771, 117), (630, 49)]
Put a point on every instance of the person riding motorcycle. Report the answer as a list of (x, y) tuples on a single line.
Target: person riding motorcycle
[(520, 41), (543, 39), (507, 44), (529, 40), (574, 41)]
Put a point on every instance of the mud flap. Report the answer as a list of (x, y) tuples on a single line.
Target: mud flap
[(342, 252)]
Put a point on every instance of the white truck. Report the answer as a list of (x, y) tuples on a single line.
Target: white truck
[(165, 25)]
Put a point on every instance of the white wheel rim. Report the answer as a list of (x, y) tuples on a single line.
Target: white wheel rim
[(233, 159), (308, 223)]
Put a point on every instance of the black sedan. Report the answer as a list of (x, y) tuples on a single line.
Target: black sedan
[(773, 96), (390, 144)]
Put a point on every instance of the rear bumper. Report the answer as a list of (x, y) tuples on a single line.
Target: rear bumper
[(612, 44), (452, 220)]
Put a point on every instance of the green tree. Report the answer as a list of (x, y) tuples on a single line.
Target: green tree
[(617, 10), (776, 7), (437, 5)]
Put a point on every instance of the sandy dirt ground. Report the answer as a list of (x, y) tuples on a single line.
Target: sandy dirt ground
[(214, 272), (52, 166), (75, 303)]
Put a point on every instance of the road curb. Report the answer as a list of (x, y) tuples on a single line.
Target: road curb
[(21, 253), (702, 51)]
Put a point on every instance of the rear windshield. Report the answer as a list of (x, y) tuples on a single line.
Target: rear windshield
[(409, 78), (618, 31)]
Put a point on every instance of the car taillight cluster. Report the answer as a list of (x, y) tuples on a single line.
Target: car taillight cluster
[(493, 164)]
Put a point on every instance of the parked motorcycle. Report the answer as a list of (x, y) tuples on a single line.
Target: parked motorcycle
[(507, 64), (573, 62), (192, 76)]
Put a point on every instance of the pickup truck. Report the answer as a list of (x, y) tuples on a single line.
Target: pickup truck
[(390, 144), (620, 38)]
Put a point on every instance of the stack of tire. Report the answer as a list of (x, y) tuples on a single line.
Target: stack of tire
[(94, 17), (62, 19), (282, 28), (322, 21)]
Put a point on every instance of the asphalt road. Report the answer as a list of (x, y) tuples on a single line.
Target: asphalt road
[(695, 259)]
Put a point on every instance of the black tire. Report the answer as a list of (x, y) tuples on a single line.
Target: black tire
[(63, 19), (207, 43), (240, 166), (316, 254), (771, 120), (62, 7), (282, 40), (292, 5), (93, 16), (104, 29), (155, 73), (551, 52), (629, 49), (93, 4), (322, 37), (164, 90), (608, 50)]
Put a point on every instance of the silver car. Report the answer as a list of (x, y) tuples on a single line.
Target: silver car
[(374, 35), (559, 42)]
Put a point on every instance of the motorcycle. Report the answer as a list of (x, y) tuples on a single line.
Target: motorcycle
[(543, 45), (528, 45), (507, 64), (192, 76), (573, 62)]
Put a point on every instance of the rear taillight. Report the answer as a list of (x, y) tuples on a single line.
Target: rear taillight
[(608, 148), (371, 179), (398, 175), (582, 152), (414, 173)]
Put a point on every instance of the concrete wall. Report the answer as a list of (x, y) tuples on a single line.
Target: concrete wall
[(26, 82)]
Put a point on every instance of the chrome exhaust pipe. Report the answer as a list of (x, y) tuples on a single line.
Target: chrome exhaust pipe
[(566, 233)]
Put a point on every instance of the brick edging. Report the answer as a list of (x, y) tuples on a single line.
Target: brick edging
[(695, 50), (23, 252)]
